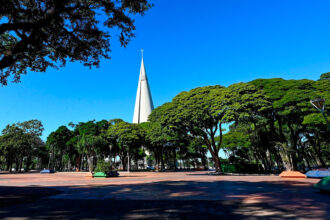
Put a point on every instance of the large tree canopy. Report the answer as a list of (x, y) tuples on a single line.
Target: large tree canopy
[(36, 34), (20, 141), (203, 111)]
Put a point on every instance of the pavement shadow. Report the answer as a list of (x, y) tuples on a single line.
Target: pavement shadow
[(169, 199), (140, 209)]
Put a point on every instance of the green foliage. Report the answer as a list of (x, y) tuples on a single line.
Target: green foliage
[(325, 76), (20, 142), (57, 144), (234, 139), (126, 135), (272, 126), (37, 34), (103, 166)]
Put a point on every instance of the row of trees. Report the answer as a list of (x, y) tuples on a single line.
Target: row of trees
[(80, 146), (271, 122), (120, 142), (270, 126)]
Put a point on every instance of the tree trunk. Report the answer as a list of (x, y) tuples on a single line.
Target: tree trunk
[(215, 158), (217, 164), (10, 167), (174, 159), (128, 162), (20, 165), (162, 161), (319, 154), (17, 164), (294, 160), (28, 163), (203, 159), (90, 163), (78, 162), (137, 164), (9, 162), (82, 162)]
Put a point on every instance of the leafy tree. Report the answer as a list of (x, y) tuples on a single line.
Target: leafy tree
[(290, 111), (89, 145), (128, 138), (57, 143), (13, 143), (91, 140), (199, 112), (36, 34), (325, 76), (195, 152), (155, 140), (237, 144), (249, 108), (20, 142), (166, 139)]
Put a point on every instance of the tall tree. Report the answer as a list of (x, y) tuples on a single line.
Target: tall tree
[(199, 112), (57, 143), (90, 140), (128, 137), (21, 141), (290, 111)]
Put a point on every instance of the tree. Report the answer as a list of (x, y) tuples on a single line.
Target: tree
[(202, 112), (90, 140), (89, 145), (325, 76), (237, 145), (155, 140), (13, 144), (20, 142), (57, 143), (166, 139), (37, 34), (128, 138), (199, 112), (196, 151), (291, 115)]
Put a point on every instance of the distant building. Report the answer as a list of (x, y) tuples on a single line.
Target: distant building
[(143, 102)]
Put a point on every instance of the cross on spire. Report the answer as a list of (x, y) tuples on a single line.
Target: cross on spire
[(142, 52)]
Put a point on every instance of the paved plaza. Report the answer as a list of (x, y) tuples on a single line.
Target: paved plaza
[(145, 195)]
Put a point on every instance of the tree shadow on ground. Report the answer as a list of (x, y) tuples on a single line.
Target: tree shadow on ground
[(172, 199), (146, 209)]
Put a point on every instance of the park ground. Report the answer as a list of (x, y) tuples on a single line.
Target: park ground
[(152, 195)]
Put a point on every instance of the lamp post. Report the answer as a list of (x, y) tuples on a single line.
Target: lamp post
[(319, 104)]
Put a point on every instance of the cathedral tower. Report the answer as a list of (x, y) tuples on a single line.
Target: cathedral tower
[(143, 102)]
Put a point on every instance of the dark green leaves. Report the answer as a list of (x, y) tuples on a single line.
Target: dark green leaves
[(37, 34)]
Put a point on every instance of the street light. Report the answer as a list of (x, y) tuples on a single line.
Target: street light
[(319, 104)]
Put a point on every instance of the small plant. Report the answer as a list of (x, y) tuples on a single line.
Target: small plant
[(104, 167)]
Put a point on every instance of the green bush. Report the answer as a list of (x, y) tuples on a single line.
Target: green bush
[(103, 166), (228, 168), (240, 168)]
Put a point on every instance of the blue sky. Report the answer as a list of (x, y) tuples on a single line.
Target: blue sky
[(187, 43)]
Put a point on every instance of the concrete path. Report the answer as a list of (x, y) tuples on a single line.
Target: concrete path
[(193, 195)]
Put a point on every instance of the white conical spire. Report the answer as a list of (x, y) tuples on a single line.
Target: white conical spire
[(143, 102)]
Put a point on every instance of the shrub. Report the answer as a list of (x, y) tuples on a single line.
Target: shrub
[(103, 166)]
